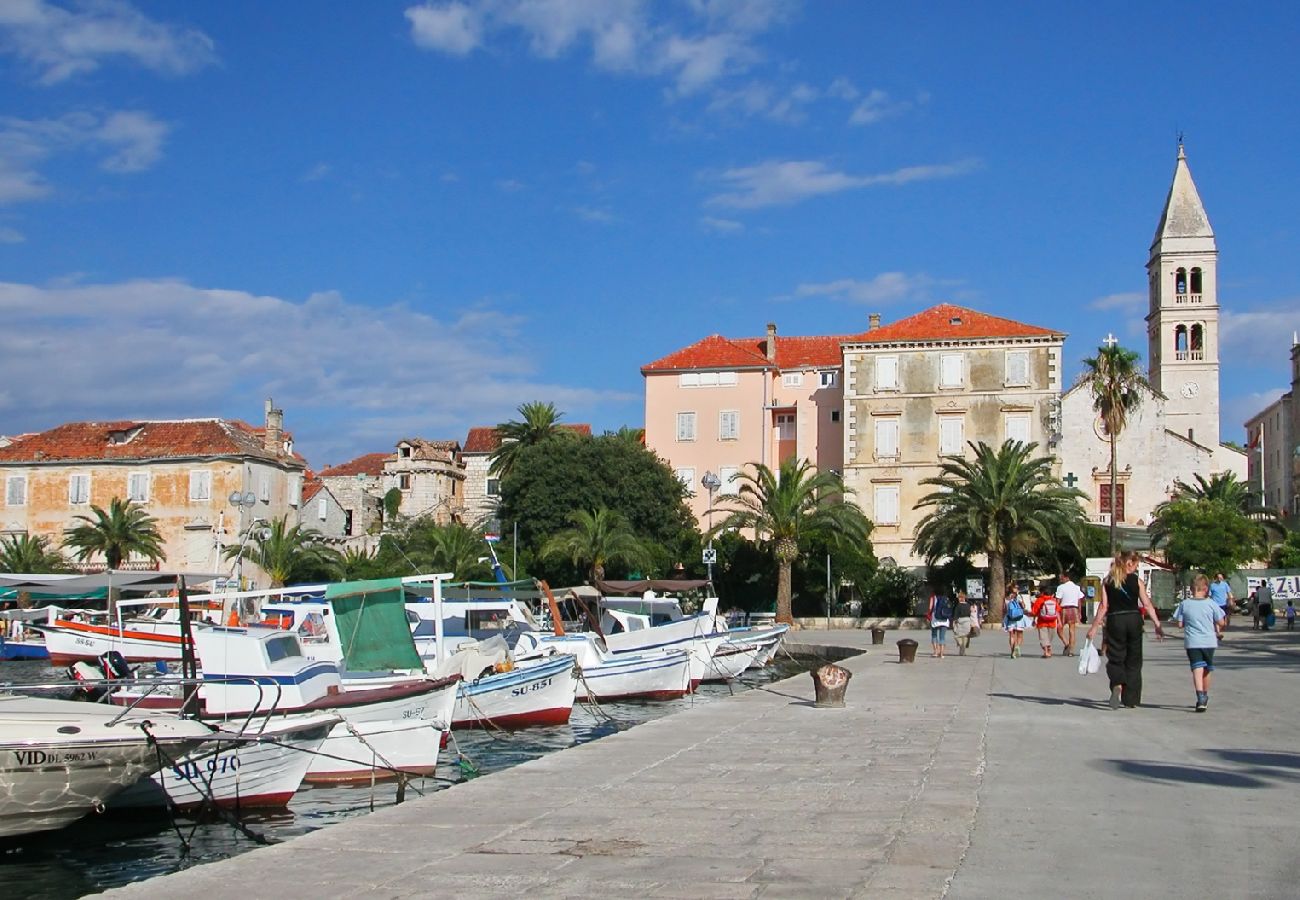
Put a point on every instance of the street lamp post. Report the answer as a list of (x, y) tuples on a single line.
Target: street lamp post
[(711, 483), (241, 500)]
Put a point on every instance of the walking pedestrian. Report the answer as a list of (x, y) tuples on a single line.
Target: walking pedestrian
[(1045, 618), (1264, 605), (1068, 597), (963, 622), (1202, 620), (1290, 615), (940, 616), (1124, 603), (1014, 620), (1221, 594)]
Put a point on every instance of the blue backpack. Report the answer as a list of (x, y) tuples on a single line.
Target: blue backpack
[(942, 608), (1015, 612)]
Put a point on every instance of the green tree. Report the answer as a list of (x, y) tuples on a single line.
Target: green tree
[(892, 591), (124, 530), (30, 554), (1286, 554), (553, 479), (597, 538), (1208, 536), (289, 554), (1117, 389), (786, 510), (1227, 489), (538, 423), (996, 503), (421, 546), (355, 564)]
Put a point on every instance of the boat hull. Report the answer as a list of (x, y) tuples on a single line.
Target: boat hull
[(536, 694), (22, 650), (68, 642)]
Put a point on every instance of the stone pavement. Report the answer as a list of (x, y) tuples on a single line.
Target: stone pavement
[(971, 777)]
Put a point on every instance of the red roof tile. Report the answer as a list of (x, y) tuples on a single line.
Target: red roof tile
[(948, 322), (485, 439), (371, 464), (310, 489), (142, 440), (717, 352)]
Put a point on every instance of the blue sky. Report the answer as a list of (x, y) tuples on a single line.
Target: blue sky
[(405, 219)]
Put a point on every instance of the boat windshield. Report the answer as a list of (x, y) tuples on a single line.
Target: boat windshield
[(283, 646)]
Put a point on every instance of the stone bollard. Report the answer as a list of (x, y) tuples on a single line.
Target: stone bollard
[(907, 650), (877, 635), (830, 682)]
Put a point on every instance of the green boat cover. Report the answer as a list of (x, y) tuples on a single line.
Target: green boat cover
[(372, 626)]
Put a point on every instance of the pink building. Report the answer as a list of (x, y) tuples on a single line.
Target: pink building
[(723, 403)]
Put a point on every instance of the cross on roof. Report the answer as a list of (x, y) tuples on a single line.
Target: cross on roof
[(1111, 340)]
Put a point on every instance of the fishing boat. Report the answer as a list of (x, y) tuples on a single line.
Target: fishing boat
[(605, 676), (20, 641), (60, 759)]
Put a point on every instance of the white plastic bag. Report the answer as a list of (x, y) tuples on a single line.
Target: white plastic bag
[(1089, 659)]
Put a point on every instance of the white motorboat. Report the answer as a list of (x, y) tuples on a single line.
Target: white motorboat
[(768, 639), (60, 759), (604, 676)]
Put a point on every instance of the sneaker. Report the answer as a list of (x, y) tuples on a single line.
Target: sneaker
[(1114, 697), (1202, 701)]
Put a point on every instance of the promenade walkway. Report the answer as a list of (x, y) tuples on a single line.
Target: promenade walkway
[(968, 777)]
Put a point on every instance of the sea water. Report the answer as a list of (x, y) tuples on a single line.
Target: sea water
[(112, 849)]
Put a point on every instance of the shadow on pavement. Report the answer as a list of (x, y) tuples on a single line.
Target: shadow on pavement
[(1053, 701), (1262, 758), (1180, 774)]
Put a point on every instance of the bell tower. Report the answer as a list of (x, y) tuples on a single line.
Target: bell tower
[(1183, 321)]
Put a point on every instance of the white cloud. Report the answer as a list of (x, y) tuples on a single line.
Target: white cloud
[(1237, 409), (721, 226), (11, 235), (783, 182), (451, 28), (887, 287), (127, 141), (509, 185), (1259, 337), (693, 45), (61, 43), (1128, 301), (327, 361), (317, 172), (788, 105), (595, 215)]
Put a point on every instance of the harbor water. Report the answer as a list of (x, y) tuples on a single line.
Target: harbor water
[(112, 849)]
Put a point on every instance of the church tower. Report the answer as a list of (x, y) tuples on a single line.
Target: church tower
[(1183, 322)]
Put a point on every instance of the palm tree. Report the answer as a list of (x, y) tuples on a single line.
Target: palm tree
[(597, 538), (1227, 489), (288, 553), (1117, 387), (124, 530), (1002, 502), (635, 436), (30, 554), (539, 422), (786, 510), (457, 549)]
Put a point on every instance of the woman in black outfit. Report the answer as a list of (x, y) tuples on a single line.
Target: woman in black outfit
[(1124, 603)]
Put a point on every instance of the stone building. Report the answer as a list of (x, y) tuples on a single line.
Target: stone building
[(722, 403), (181, 472), (1174, 435), (358, 487), (1273, 447), (430, 476), (922, 390), (321, 511), (482, 490)]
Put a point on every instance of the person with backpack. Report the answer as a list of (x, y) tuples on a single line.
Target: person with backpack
[(940, 621), (963, 622), (1014, 620), (1046, 610)]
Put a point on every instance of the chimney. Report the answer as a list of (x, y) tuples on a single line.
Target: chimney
[(273, 439), (771, 342), (873, 321)]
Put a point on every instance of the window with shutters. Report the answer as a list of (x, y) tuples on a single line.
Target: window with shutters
[(137, 487), (730, 478), (952, 435), (887, 437), (264, 489), (688, 380), (729, 425), (887, 373), (493, 487), (950, 370), (785, 430), (1017, 427), (16, 490), (792, 379), (886, 504), (686, 426), (79, 489), (200, 485), (686, 476), (295, 490), (727, 379), (828, 378), (1017, 368), (322, 509)]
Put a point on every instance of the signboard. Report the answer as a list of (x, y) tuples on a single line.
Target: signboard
[(709, 556), (1285, 587), (975, 588)]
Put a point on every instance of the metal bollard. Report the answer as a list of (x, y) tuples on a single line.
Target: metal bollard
[(907, 650), (830, 683)]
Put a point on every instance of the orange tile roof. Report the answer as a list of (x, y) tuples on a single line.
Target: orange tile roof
[(143, 440), (310, 489), (485, 438), (370, 464), (948, 322)]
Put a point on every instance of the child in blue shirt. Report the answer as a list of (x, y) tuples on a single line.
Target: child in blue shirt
[(1202, 622)]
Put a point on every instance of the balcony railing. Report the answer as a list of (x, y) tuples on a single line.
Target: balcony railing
[(1186, 299), (1185, 355)]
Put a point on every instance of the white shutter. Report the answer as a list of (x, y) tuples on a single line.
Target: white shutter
[(1017, 367), (137, 487), (792, 379), (708, 379), (726, 379), (79, 489), (886, 438), (887, 504), (16, 490), (200, 484), (295, 490), (728, 425), (322, 509), (688, 380), (950, 370), (951, 435), (686, 426), (887, 373), (1017, 427), (264, 489), (687, 477), (729, 476)]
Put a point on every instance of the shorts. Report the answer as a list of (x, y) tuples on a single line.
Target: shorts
[(939, 634), (1018, 624), (1044, 622), (1201, 658), (1069, 615)]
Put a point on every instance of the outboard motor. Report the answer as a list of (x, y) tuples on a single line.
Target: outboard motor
[(115, 666), (111, 666)]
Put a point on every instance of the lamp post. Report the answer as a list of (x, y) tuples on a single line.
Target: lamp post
[(241, 500), (711, 483)]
